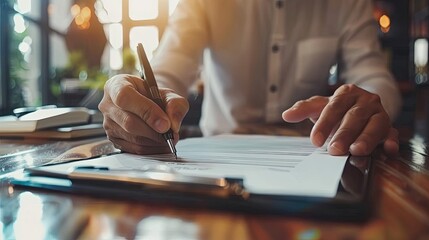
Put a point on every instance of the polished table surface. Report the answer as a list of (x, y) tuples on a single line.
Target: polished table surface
[(401, 208)]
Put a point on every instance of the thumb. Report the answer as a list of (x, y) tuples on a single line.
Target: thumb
[(309, 108)]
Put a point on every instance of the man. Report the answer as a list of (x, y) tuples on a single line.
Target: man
[(261, 57)]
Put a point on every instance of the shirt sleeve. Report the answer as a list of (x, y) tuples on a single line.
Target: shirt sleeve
[(362, 62), (177, 60)]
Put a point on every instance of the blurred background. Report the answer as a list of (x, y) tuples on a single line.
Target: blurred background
[(62, 51)]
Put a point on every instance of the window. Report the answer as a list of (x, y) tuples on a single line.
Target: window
[(130, 22), (35, 42)]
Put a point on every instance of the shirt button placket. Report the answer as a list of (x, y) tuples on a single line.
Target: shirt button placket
[(275, 48), (277, 39)]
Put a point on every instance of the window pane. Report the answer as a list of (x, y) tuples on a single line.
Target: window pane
[(148, 36), (59, 60), (60, 14), (58, 50), (115, 35), (115, 59), (109, 11), (116, 42), (143, 10), (25, 65)]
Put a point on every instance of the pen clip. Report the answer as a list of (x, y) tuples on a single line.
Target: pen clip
[(147, 73), (145, 68)]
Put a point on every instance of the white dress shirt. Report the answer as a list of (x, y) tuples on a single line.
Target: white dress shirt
[(259, 57)]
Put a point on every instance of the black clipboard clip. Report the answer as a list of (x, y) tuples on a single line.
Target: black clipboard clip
[(152, 179)]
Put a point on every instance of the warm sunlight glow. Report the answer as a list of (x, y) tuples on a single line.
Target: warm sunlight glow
[(86, 13), (79, 20), (83, 17), (143, 10), (115, 35), (161, 227), (75, 10), (148, 36), (172, 4), (109, 11), (116, 59), (421, 52), (110, 15), (384, 21)]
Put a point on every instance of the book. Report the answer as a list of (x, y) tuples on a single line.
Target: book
[(95, 116), (70, 132), (45, 118)]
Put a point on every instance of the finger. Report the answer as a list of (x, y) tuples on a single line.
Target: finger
[(375, 131), (138, 149), (141, 143), (301, 110), (128, 122), (128, 95), (134, 144), (391, 144), (144, 132), (176, 109), (151, 138), (351, 126), (331, 117)]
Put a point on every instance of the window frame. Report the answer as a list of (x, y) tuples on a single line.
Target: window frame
[(7, 10)]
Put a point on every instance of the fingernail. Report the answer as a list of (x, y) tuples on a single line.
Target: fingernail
[(161, 125), (359, 147), (337, 148), (291, 109), (319, 139)]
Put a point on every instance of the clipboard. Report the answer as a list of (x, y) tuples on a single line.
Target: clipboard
[(157, 185)]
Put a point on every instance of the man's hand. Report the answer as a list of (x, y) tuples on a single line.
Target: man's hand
[(353, 119), (133, 122)]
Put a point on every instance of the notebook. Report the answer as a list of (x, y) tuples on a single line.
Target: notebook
[(69, 132), (44, 118)]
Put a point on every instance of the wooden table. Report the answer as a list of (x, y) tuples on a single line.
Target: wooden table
[(401, 207)]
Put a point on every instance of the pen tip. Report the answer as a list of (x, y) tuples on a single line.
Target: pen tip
[(172, 148)]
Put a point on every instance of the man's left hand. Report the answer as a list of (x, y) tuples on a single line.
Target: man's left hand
[(353, 119)]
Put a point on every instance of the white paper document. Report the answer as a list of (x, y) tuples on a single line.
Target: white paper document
[(267, 164)]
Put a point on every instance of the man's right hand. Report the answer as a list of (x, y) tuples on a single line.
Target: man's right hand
[(133, 122)]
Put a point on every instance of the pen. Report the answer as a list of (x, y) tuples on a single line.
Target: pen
[(147, 76)]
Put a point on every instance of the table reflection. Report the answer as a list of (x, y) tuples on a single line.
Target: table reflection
[(25, 215), (29, 218), (162, 227)]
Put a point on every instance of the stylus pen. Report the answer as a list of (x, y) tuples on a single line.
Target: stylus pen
[(148, 78)]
